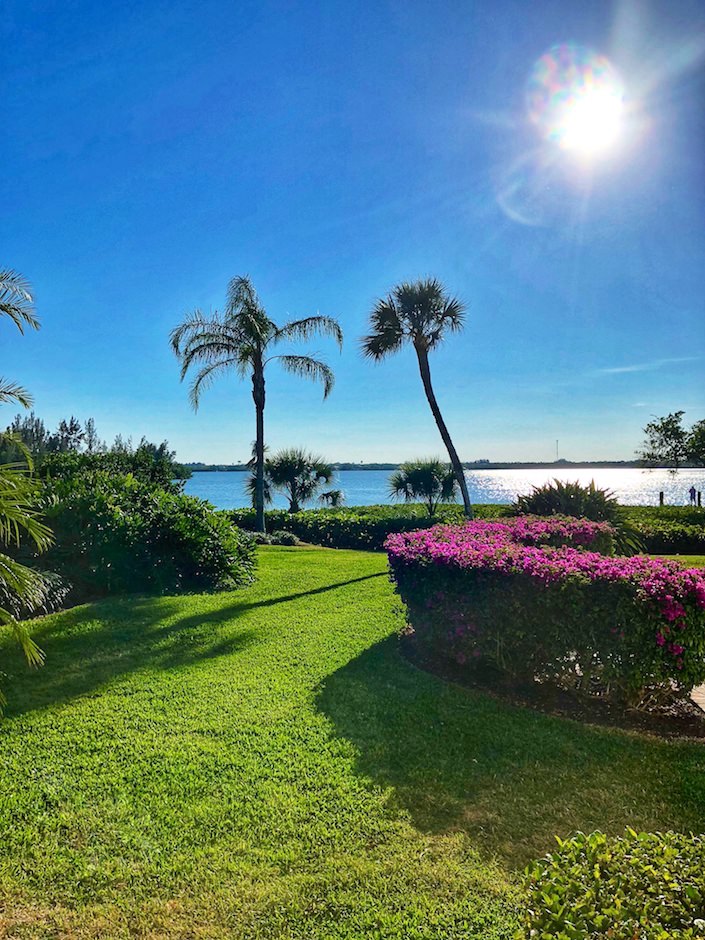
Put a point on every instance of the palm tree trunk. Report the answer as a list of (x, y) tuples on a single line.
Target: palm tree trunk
[(258, 395), (425, 371)]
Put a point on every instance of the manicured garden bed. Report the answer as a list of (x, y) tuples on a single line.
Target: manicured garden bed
[(264, 764)]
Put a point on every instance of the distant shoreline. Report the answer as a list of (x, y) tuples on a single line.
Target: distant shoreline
[(479, 465)]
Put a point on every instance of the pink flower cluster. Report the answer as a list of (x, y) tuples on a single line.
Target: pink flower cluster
[(519, 546)]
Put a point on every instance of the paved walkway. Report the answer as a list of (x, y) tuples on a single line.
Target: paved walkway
[(698, 696)]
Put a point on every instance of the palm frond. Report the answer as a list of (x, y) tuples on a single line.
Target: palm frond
[(309, 327), (205, 377), (251, 489), (16, 301), (421, 311), (19, 494), (12, 392), (309, 368), (386, 334)]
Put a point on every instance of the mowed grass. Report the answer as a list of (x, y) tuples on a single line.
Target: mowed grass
[(264, 764)]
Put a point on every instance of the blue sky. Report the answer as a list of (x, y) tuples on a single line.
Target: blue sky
[(152, 150)]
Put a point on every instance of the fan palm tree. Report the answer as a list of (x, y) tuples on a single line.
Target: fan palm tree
[(243, 340), (430, 481), (299, 473), (332, 498), (16, 304), (420, 313)]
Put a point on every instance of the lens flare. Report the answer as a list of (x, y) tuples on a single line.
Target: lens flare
[(575, 97)]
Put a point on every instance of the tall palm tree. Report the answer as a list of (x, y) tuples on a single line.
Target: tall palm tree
[(16, 304), (242, 340), (420, 313)]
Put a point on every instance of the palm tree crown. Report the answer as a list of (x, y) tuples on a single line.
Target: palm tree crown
[(243, 340), (420, 313)]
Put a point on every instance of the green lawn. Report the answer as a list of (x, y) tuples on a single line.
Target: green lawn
[(263, 764), (689, 561)]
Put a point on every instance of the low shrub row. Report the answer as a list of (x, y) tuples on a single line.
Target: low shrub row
[(662, 530), (649, 886), (359, 527), (118, 534), (493, 596)]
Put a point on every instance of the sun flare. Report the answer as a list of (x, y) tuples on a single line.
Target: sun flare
[(576, 99)]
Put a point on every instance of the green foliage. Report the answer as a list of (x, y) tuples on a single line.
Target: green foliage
[(585, 502), (695, 444), (243, 341), (16, 303), (296, 472), (666, 441), (647, 885), (666, 529), (282, 537), (147, 462), (670, 444), (569, 499), (420, 314), (118, 534), (429, 481), (332, 498), (362, 527)]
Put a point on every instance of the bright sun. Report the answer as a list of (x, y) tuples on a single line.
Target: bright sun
[(576, 98)]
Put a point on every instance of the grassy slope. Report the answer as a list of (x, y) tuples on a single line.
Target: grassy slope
[(263, 764)]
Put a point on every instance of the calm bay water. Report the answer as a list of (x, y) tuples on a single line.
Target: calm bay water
[(631, 486)]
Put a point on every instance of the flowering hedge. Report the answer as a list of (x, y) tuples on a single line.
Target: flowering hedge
[(529, 599)]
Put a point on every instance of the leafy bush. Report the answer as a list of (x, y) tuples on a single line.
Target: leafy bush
[(117, 534), (501, 596), (570, 499), (282, 537), (359, 527), (583, 502), (649, 886), (667, 530), (147, 463)]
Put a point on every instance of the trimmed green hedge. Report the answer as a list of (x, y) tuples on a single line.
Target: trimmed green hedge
[(664, 530), (649, 886), (358, 527)]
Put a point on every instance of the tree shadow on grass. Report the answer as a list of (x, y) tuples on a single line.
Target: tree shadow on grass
[(90, 646), (510, 777)]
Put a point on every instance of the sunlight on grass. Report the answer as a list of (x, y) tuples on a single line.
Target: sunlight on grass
[(263, 763)]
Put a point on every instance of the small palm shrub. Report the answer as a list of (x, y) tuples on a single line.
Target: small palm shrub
[(649, 886), (117, 534), (427, 481), (584, 502)]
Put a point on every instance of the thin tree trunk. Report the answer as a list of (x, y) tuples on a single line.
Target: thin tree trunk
[(440, 423), (258, 395)]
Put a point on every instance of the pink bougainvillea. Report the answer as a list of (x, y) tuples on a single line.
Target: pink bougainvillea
[(664, 598)]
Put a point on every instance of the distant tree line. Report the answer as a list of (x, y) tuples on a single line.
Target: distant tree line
[(28, 433)]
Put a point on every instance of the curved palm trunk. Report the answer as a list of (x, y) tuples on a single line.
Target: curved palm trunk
[(258, 395), (441, 425)]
